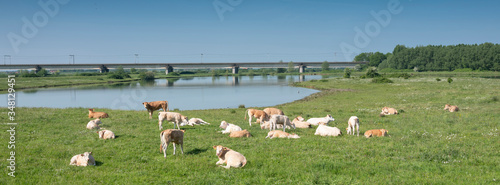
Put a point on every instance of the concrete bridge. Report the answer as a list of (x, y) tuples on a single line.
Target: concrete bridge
[(169, 67)]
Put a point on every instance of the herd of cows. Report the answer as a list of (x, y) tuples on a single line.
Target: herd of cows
[(269, 118)]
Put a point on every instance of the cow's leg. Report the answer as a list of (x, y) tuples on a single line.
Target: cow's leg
[(150, 114), (174, 147), (249, 119), (357, 129), (182, 148), (165, 150), (159, 124), (284, 127)]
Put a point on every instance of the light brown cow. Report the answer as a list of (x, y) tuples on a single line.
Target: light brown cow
[(300, 123), (155, 105), (280, 134), (93, 114), (173, 136), (272, 111), (94, 124), (106, 134), (174, 117), (376, 132), (259, 114), (388, 111), (451, 108), (241, 133), (84, 159), (230, 157)]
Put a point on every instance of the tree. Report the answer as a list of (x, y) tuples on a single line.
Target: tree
[(281, 70), (291, 67), (347, 73), (325, 66)]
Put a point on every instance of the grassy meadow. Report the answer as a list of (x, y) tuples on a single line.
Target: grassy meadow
[(428, 145)]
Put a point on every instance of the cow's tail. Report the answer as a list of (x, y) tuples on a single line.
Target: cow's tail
[(246, 114), (163, 142)]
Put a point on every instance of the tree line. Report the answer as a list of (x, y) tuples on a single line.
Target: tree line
[(484, 56)]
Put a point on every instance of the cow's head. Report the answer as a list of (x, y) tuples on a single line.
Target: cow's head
[(146, 104), (300, 118), (446, 107), (220, 151), (223, 124)]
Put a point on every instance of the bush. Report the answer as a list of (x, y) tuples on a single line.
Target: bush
[(173, 74), (450, 80), (147, 76), (347, 73), (241, 106), (381, 80), (438, 79)]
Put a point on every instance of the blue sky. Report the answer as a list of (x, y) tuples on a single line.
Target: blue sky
[(247, 30)]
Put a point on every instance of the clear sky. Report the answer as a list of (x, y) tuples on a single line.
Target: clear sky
[(96, 31)]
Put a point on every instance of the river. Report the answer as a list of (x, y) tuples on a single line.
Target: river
[(192, 93)]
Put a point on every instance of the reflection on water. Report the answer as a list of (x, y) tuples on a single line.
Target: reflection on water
[(183, 93)]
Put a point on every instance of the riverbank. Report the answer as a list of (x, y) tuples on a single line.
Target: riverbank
[(427, 145)]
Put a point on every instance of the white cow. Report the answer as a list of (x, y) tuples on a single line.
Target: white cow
[(94, 124), (174, 117), (316, 121), (280, 119), (324, 130), (229, 127), (353, 122), (195, 121)]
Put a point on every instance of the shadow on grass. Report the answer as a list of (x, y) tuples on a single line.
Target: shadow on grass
[(98, 163), (196, 151)]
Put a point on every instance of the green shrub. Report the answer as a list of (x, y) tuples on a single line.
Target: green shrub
[(381, 80), (347, 73), (241, 106), (450, 80), (173, 74), (438, 79), (147, 75)]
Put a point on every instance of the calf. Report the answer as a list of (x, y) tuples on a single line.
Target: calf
[(272, 111), (300, 123), (171, 135), (174, 117), (106, 134), (324, 130), (84, 159), (195, 121), (228, 127), (376, 132), (93, 114), (241, 133), (388, 111), (94, 124), (280, 134), (155, 105), (259, 114), (353, 122), (230, 157), (451, 108), (316, 121), (280, 119)]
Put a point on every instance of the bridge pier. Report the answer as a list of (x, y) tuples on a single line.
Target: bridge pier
[(302, 68), (103, 69), (235, 69), (169, 69)]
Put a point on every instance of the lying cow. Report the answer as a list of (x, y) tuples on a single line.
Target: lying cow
[(230, 157), (324, 130), (174, 117), (241, 133), (267, 125), (94, 124), (280, 134), (84, 159), (451, 108), (300, 123), (259, 114), (281, 120), (353, 122), (106, 134), (195, 121), (173, 136), (155, 105), (316, 121), (93, 114), (388, 111), (272, 111), (376, 132), (229, 127)]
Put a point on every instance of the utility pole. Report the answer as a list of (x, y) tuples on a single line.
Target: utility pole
[(71, 57), (201, 59), (136, 55)]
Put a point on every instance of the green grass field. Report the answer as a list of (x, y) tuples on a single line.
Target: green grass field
[(427, 145)]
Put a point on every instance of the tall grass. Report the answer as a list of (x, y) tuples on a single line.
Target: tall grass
[(427, 145)]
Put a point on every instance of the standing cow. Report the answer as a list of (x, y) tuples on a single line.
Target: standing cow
[(155, 105), (174, 117)]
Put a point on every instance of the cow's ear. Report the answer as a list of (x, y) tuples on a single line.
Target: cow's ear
[(215, 147), (81, 155)]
